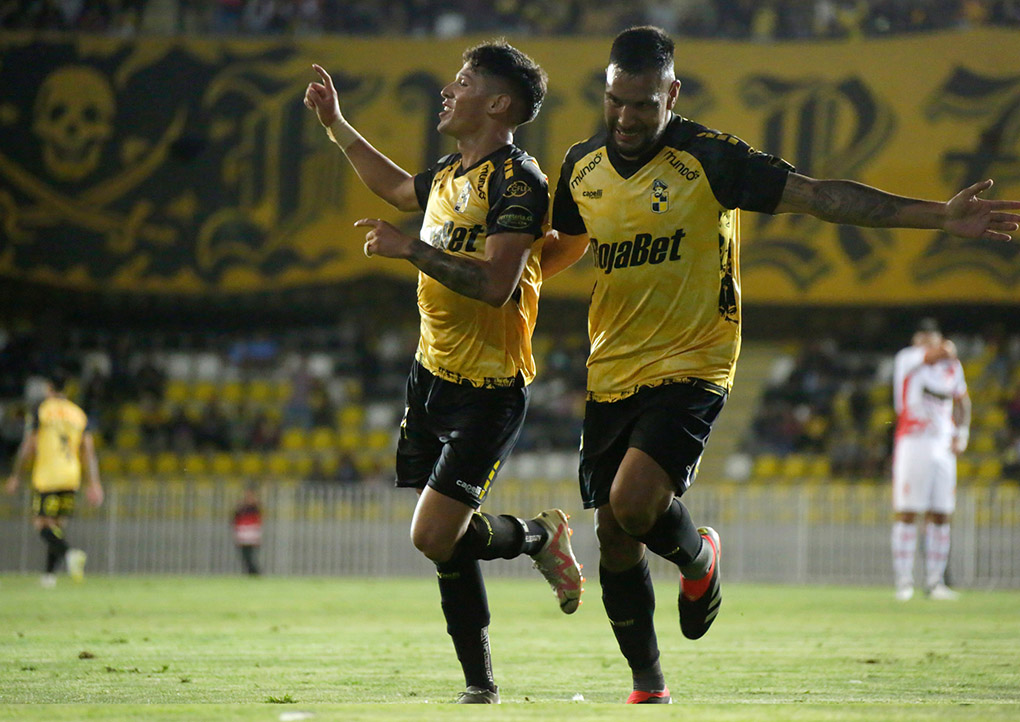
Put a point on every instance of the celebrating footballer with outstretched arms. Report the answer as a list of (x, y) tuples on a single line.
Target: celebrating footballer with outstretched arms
[(655, 196), (478, 286)]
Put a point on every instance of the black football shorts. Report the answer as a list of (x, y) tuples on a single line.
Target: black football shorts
[(53, 504), (455, 437), (670, 423)]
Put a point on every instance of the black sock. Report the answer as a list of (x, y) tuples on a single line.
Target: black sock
[(674, 536), (500, 537), (56, 546), (630, 605), (466, 608)]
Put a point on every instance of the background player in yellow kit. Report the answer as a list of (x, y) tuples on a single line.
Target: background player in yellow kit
[(59, 448)]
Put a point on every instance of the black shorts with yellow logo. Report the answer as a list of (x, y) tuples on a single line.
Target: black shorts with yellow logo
[(670, 423), (53, 504), (454, 437)]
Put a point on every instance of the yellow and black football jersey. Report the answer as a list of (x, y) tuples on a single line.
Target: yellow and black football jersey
[(462, 339), (59, 425), (665, 237)]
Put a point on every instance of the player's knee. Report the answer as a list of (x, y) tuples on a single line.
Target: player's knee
[(431, 542), (634, 516), (617, 549)]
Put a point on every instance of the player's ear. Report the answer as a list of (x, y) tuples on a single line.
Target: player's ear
[(674, 92), (500, 103)]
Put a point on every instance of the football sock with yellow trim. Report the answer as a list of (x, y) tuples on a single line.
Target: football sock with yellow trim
[(500, 537)]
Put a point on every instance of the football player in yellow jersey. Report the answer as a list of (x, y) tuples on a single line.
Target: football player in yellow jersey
[(59, 447), (655, 197), (478, 285)]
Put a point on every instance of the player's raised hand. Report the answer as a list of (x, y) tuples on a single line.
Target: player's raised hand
[(969, 216), (382, 239), (322, 98)]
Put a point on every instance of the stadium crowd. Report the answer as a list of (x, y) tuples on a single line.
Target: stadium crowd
[(744, 19), (827, 411), (328, 398)]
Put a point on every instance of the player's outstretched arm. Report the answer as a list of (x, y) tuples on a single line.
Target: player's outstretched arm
[(491, 280), (382, 176), (966, 214), (561, 251)]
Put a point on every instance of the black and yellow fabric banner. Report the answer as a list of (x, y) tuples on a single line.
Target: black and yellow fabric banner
[(191, 165)]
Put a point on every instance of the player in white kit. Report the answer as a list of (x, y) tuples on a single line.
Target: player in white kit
[(932, 428)]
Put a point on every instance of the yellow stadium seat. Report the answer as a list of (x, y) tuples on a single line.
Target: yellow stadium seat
[(349, 440), (176, 391), (223, 464), (260, 391), (329, 463), (111, 463), (965, 468), (989, 470), (167, 463), (252, 464), (880, 395), (795, 466), (882, 418), (993, 418), (195, 464), (231, 392), (128, 439), (766, 466), (322, 439), (352, 416), (294, 439), (301, 465), (379, 439), (130, 414), (138, 464), (983, 443), (204, 391), (279, 464), (819, 468)]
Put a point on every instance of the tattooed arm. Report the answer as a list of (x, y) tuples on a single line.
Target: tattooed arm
[(491, 280), (843, 201)]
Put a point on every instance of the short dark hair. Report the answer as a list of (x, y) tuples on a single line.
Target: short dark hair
[(643, 48), (57, 379), (928, 325), (526, 80)]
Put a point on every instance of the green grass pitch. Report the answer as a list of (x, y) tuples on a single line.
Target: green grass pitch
[(268, 649)]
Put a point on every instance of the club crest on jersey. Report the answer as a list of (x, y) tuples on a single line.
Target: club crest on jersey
[(660, 197), (462, 200)]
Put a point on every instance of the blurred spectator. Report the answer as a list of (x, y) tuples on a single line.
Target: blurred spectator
[(764, 21), (265, 435), (247, 524), (183, 435), (213, 429), (149, 379)]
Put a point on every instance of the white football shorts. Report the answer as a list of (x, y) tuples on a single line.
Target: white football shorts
[(924, 475)]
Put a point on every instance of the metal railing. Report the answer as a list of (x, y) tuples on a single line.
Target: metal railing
[(807, 533)]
